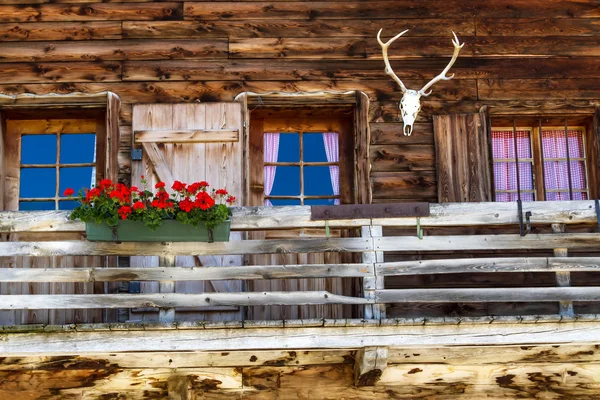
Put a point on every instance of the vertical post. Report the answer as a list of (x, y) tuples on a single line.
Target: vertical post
[(166, 314), (563, 278), (179, 388), (371, 284)]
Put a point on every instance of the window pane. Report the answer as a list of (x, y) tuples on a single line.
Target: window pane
[(287, 181), (514, 196), (314, 148), (557, 196), (67, 204), (36, 205), (37, 182), (285, 202), (289, 147), (505, 175), (77, 148), (576, 149), (317, 181), (556, 175), (578, 178), (319, 202), (503, 144), (580, 196), (555, 145), (75, 178), (38, 149)]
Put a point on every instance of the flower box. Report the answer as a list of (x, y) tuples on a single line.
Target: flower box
[(168, 231)]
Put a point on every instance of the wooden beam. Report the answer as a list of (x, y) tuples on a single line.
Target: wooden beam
[(171, 300), (179, 387), (80, 247), (186, 136), (470, 265), (419, 335), (369, 365), (158, 162), (488, 295), (185, 273), (261, 218)]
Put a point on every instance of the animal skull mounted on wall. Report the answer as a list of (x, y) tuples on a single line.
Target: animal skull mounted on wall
[(410, 105)]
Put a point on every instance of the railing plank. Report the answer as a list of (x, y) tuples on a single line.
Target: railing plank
[(248, 272), (259, 218), (171, 300), (509, 264), (84, 248), (488, 242), (534, 294)]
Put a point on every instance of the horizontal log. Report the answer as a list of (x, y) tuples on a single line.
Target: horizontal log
[(488, 242), (43, 31), (415, 335), (538, 27), (506, 89), (397, 9), (534, 294), (110, 50), (84, 248), (388, 158), (292, 28), (393, 133), (170, 300), (261, 218), (60, 72), (91, 12), (476, 265), (404, 185), (184, 273), (186, 136)]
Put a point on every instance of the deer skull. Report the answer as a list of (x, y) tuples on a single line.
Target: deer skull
[(410, 105)]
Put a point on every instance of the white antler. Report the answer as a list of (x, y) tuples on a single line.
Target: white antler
[(388, 67), (442, 76)]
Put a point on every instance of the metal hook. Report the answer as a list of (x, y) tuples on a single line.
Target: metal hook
[(523, 230), (327, 233), (419, 230)]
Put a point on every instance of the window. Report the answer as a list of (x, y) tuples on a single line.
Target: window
[(50, 156), (551, 161), (301, 168)]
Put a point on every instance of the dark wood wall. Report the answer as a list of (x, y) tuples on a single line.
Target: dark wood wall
[(534, 56)]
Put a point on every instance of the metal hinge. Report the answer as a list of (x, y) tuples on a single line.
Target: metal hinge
[(136, 154)]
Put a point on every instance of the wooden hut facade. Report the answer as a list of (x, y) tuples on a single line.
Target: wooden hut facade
[(461, 262)]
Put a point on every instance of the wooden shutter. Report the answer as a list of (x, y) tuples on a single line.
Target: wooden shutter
[(190, 142), (463, 158)]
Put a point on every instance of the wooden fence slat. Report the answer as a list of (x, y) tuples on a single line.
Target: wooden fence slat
[(185, 273), (171, 300), (259, 218), (469, 265), (488, 295), (85, 248)]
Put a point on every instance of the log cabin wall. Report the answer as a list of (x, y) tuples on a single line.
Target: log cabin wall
[(535, 57)]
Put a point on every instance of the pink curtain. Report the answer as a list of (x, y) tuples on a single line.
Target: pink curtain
[(271, 150), (505, 172), (332, 150), (556, 173)]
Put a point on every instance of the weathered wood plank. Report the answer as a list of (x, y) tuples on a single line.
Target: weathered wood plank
[(76, 247), (476, 265), (538, 27), (60, 72), (186, 136), (43, 31), (488, 242), (357, 336), (508, 89), (392, 134), (389, 158), (110, 50), (91, 12), (370, 364), (317, 10), (184, 273), (404, 185), (488, 295), (171, 300)]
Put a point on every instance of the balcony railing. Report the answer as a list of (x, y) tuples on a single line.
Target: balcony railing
[(371, 244)]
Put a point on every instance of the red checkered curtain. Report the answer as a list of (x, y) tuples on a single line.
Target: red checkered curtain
[(556, 166), (505, 165)]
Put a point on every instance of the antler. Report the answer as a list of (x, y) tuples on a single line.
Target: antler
[(442, 76), (388, 67)]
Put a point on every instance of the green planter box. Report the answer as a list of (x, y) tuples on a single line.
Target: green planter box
[(168, 231)]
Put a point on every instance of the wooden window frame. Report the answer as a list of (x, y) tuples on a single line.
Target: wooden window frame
[(537, 124)]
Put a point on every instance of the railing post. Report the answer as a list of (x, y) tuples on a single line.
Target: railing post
[(166, 314), (563, 278), (371, 284)]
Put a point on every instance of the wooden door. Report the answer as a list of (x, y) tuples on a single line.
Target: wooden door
[(189, 143), (298, 122)]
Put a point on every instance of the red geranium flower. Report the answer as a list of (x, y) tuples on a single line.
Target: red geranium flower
[(159, 185), (92, 194), (203, 184), (138, 205), (230, 200), (178, 186), (204, 201), (68, 192), (221, 192), (105, 184), (186, 205), (124, 211)]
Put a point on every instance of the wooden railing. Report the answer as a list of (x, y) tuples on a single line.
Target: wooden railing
[(371, 244)]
